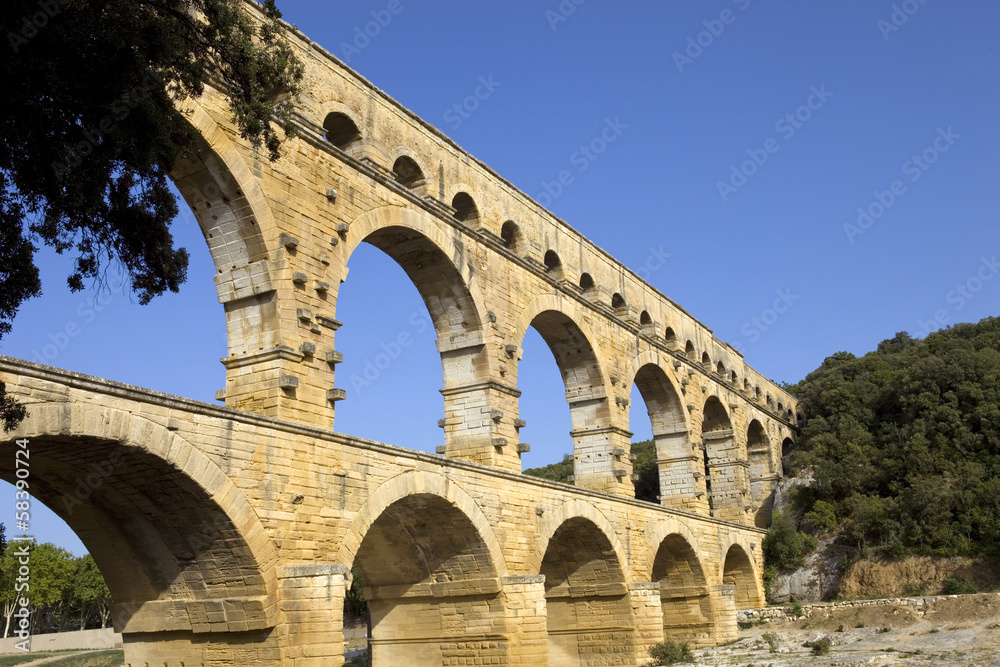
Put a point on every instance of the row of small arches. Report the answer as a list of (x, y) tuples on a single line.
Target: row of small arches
[(343, 133)]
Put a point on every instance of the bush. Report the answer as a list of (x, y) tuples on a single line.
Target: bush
[(797, 609), (955, 585), (772, 641), (785, 547), (821, 646), (669, 652), (822, 516)]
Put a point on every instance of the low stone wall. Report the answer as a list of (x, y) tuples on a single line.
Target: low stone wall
[(919, 606), (62, 641)]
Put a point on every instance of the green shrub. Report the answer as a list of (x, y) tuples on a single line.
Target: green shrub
[(797, 609), (744, 625), (772, 641), (955, 585), (821, 646), (669, 652), (914, 590), (785, 547), (822, 516)]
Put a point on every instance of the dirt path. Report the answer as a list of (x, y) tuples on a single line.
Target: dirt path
[(53, 658)]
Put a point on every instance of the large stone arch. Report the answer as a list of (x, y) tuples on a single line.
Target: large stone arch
[(725, 470), (762, 471), (595, 438), (589, 614), (685, 591), (431, 567), (678, 462), (183, 552), (414, 482), (738, 569), (438, 261)]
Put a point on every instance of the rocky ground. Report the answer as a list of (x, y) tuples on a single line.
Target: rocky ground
[(957, 630)]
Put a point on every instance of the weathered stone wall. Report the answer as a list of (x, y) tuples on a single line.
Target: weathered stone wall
[(489, 262), (229, 536)]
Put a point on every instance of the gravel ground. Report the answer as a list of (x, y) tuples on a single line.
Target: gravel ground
[(960, 631)]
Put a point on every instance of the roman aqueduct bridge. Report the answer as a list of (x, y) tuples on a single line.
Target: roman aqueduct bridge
[(227, 534)]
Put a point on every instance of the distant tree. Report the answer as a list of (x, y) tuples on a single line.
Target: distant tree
[(91, 130), (647, 485), (90, 593), (556, 472)]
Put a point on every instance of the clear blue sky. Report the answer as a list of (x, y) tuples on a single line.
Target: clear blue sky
[(836, 106)]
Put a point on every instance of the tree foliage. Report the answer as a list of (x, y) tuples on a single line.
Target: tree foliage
[(65, 592), (904, 443), (91, 130), (647, 486)]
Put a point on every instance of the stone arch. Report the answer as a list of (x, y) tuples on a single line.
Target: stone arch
[(173, 536), (342, 130), (466, 208), (408, 172), (431, 566), (511, 234), (411, 483), (763, 477), (685, 595), (586, 594), (562, 327), (235, 218), (438, 262), (739, 571), (552, 261), (552, 519), (725, 472), (676, 460)]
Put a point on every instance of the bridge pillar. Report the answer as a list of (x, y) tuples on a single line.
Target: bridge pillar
[(601, 460), (480, 424), (730, 500), (687, 614), (526, 620), (312, 602), (681, 472), (724, 608), (727, 479), (647, 614)]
